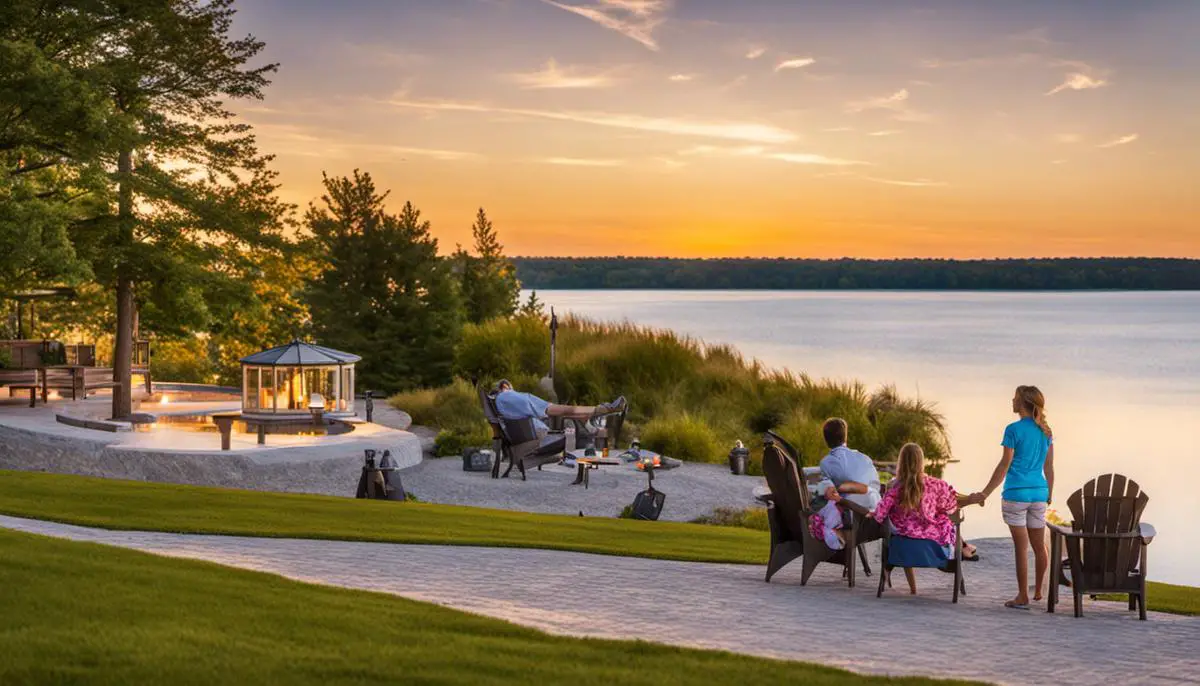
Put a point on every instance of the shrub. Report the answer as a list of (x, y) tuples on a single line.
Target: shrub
[(684, 437), (452, 442), (5, 358), (749, 518)]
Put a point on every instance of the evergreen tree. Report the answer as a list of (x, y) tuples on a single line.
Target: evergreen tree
[(381, 291), (183, 200), (489, 281), (532, 307)]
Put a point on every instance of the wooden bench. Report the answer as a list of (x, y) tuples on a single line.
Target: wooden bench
[(94, 378), (21, 380)]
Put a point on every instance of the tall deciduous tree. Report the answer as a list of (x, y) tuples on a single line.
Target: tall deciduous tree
[(489, 280), (382, 291)]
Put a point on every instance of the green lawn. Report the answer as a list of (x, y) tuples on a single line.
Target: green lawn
[(83, 613), (112, 504)]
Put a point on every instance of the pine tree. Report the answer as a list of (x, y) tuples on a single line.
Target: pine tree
[(382, 292), (532, 307), (489, 281), (181, 199)]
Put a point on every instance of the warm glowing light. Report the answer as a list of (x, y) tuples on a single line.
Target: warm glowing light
[(53, 395), (165, 400)]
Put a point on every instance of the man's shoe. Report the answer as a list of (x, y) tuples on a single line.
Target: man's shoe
[(611, 408)]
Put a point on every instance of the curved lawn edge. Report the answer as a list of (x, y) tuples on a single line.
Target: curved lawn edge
[(144, 506)]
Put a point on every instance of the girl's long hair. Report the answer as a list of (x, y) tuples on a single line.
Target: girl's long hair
[(1034, 404), (910, 471)]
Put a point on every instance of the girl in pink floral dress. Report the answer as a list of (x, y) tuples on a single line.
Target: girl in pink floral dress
[(919, 506)]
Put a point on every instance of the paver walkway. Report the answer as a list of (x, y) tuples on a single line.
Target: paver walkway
[(729, 607)]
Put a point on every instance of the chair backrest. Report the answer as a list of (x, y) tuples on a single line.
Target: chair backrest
[(491, 414), (1112, 504), (797, 461), (787, 488)]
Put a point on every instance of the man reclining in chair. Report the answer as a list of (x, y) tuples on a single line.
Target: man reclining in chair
[(516, 405)]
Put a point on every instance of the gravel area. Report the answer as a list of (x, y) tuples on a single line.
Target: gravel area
[(729, 607), (692, 490)]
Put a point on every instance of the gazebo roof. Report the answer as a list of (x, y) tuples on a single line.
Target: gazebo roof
[(299, 353)]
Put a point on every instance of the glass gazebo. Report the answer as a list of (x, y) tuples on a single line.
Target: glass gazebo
[(298, 378)]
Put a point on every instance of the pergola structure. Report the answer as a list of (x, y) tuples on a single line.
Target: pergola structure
[(298, 378)]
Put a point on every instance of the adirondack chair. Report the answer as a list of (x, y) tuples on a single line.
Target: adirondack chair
[(960, 585), (1106, 543), (517, 440), (788, 510)]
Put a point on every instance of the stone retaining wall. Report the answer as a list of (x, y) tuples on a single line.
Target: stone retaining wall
[(35, 451)]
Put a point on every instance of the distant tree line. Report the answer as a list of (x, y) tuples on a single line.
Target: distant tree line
[(845, 274)]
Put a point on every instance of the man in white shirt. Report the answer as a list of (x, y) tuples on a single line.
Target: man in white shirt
[(852, 473)]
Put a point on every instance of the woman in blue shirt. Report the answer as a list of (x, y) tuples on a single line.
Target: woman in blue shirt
[(1027, 470)]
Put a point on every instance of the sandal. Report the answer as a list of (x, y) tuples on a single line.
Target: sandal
[(1014, 605)]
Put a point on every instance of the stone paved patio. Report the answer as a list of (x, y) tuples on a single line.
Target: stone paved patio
[(729, 607)]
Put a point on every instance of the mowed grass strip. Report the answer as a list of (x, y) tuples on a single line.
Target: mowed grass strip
[(143, 506), (82, 613)]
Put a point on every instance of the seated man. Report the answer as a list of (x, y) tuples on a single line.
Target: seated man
[(850, 472), (516, 405)]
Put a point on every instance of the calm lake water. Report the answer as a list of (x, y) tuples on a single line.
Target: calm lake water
[(1121, 373)]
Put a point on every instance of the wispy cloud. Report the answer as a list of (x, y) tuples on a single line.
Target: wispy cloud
[(634, 19), (680, 78), (1039, 35), (838, 129), (915, 183), (553, 76), (762, 152), (432, 153), (811, 158), (753, 132), (885, 132), (1078, 81), (896, 103), (583, 162), (1123, 140), (755, 51), (1068, 138), (797, 63)]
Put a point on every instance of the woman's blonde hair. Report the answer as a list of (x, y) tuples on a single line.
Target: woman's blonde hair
[(910, 472), (1034, 404)]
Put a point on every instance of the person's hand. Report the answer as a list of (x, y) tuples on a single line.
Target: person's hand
[(832, 495), (977, 498)]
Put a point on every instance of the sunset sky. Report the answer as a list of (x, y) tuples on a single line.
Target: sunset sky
[(800, 128)]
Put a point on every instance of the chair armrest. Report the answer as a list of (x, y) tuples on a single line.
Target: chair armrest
[(855, 508), (1061, 530), (767, 498), (1095, 535), (1147, 532)]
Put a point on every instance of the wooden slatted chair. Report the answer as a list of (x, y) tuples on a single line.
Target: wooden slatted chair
[(1106, 542), (788, 509), (517, 440)]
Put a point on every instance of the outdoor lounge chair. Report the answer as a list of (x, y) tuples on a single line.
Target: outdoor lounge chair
[(788, 509), (517, 440), (1106, 543), (955, 565)]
